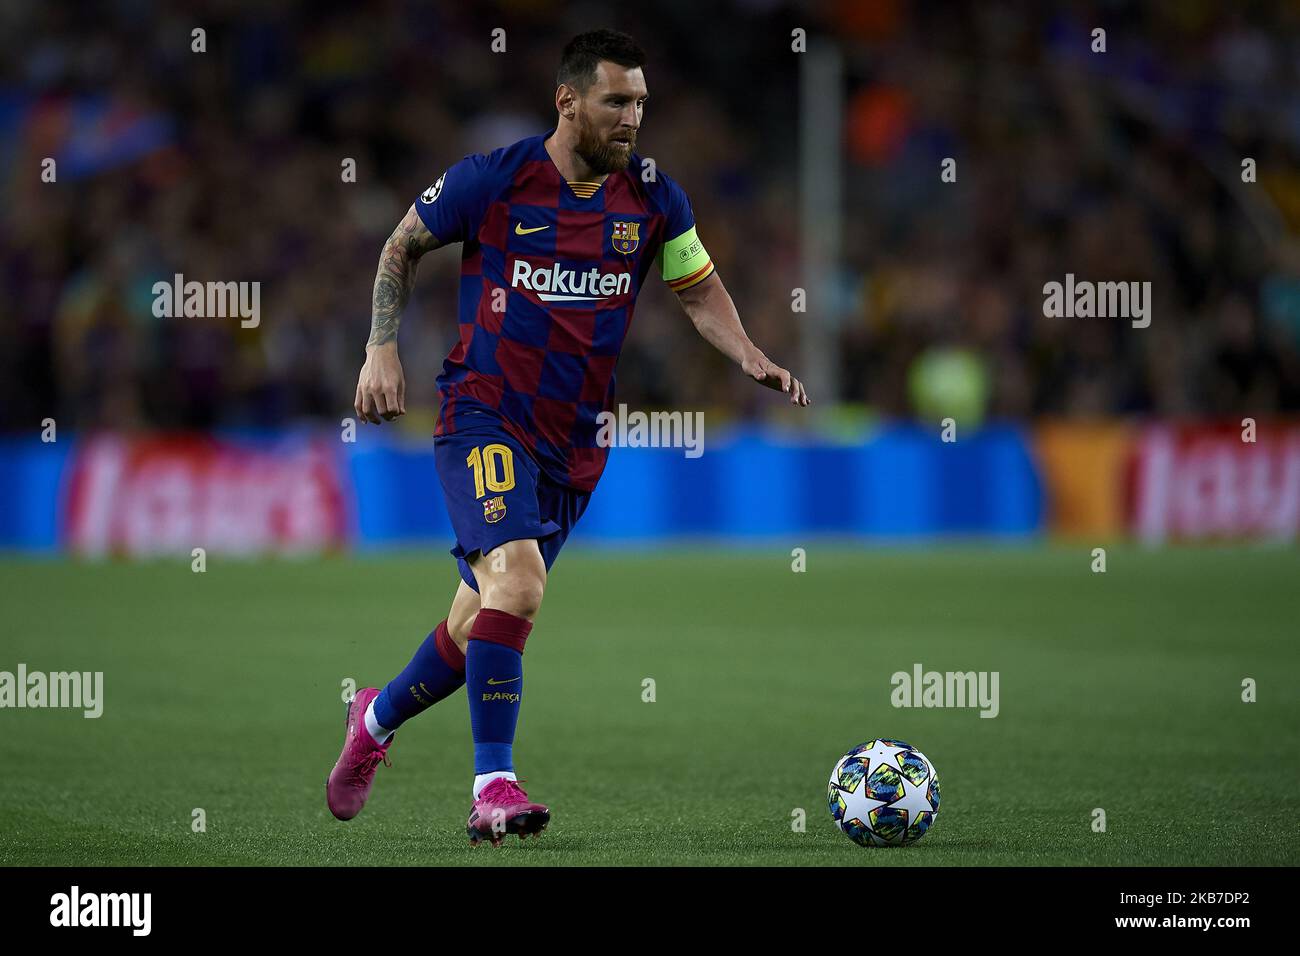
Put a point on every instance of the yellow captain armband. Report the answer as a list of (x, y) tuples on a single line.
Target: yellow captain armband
[(684, 262)]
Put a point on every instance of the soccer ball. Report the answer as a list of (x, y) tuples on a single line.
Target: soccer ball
[(884, 793)]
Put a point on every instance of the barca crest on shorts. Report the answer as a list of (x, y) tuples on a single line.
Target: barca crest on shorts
[(494, 509), (626, 237)]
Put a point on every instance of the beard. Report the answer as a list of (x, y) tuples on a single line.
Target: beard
[(600, 155)]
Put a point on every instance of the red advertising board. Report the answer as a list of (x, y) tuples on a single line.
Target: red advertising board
[(1203, 482), (168, 495)]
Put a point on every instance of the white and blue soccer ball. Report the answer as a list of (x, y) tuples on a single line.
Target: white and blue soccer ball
[(884, 793)]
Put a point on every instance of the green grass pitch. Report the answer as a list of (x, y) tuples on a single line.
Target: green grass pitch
[(223, 692)]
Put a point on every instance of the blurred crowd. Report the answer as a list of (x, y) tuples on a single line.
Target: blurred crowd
[(229, 165), (1113, 157)]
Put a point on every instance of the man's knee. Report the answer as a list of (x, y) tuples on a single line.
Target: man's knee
[(517, 592), (512, 578), (460, 617), (459, 626)]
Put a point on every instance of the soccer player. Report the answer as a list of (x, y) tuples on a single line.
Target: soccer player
[(558, 233)]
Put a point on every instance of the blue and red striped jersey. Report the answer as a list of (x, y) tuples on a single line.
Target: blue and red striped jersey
[(550, 272)]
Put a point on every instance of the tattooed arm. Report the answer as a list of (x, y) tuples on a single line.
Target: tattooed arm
[(381, 389)]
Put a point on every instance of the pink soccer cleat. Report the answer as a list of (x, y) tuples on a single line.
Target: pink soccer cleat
[(502, 807), (350, 780)]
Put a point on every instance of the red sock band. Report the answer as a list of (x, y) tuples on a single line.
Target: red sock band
[(500, 627), (447, 648)]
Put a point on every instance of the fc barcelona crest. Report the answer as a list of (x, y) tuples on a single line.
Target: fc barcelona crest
[(626, 236), (494, 509)]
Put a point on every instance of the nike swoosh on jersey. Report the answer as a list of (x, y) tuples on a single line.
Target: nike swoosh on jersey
[(521, 231)]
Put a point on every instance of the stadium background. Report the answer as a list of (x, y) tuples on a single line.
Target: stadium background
[(924, 301), (1125, 166)]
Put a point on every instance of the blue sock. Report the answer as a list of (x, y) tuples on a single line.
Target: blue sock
[(494, 679), (435, 672)]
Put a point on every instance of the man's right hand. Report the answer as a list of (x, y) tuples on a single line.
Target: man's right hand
[(381, 389)]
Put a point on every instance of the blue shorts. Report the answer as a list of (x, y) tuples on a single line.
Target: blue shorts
[(495, 492)]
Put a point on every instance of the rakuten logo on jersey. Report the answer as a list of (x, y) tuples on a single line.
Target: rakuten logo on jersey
[(554, 284)]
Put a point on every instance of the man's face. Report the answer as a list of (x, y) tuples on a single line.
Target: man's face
[(608, 116)]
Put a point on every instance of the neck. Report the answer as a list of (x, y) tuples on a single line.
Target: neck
[(561, 146)]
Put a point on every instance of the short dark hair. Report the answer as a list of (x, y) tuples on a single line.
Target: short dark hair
[(583, 52)]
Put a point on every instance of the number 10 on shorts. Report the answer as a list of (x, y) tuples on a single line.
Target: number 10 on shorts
[(494, 469)]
